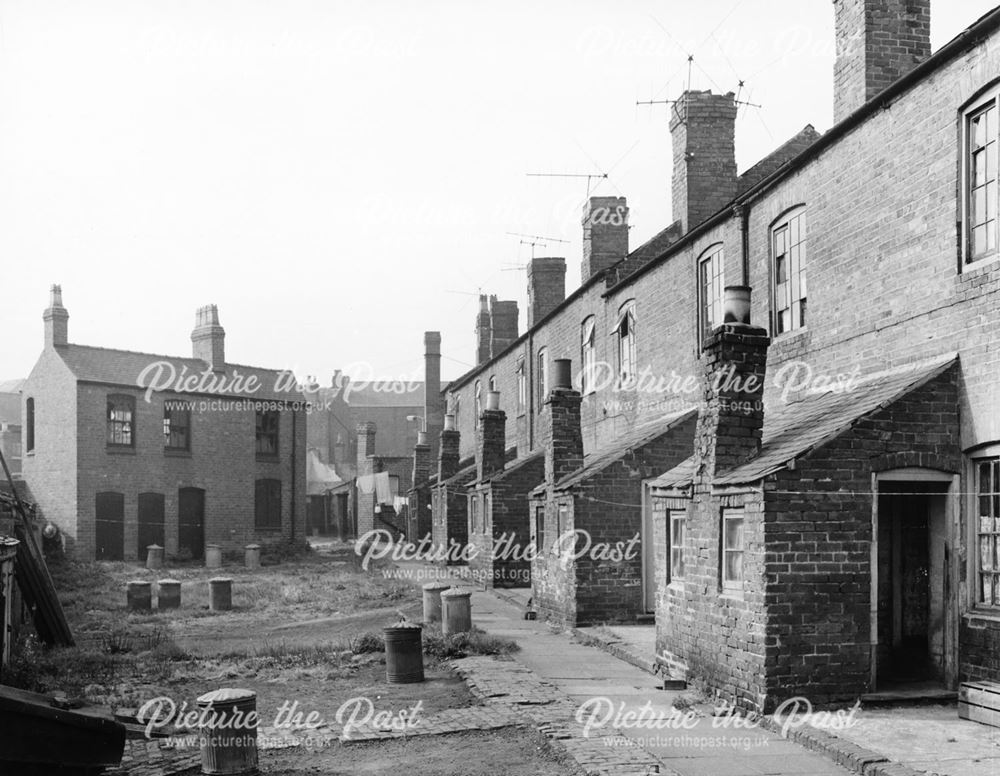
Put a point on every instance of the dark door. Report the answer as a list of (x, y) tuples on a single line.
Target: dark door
[(912, 583), (191, 521), (110, 526), (150, 521)]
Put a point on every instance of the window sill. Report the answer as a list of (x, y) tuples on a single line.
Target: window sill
[(267, 458), (677, 585), (274, 530), (170, 452), (975, 268), (120, 450), (791, 336), (731, 593), (987, 615)]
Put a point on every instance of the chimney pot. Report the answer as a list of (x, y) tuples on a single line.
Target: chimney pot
[(449, 422), (56, 319), (736, 305), (493, 400), (562, 373)]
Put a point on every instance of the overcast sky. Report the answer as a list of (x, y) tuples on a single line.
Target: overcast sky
[(329, 172)]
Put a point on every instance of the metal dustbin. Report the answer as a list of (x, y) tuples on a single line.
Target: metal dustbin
[(228, 732), (456, 611), (404, 653), (213, 556), (432, 600), (154, 557), (139, 595)]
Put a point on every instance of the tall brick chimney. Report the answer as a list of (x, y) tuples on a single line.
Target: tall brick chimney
[(366, 501), (546, 286), (503, 325), (433, 400), (56, 319), (605, 234), (448, 449), (484, 336), (703, 131), (731, 418), (561, 425), (878, 41), (491, 442), (208, 340)]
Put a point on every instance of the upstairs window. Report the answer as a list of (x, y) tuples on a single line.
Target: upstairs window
[(267, 433), (988, 531), (479, 400), (539, 530), (121, 421), (711, 282), (981, 178), (29, 425), (177, 425), (788, 247), (624, 334), (588, 356), (543, 378), (456, 405)]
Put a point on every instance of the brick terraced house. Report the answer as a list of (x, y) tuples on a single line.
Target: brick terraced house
[(117, 467), (833, 527)]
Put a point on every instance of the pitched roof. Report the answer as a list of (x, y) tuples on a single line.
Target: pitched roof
[(463, 476), (512, 467), (11, 386), (783, 153), (797, 428), (125, 367), (10, 408), (638, 437)]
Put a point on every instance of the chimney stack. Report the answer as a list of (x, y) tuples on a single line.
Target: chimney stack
[(421, 460), (731, 419), (877, 42), (503, 325), (208, 338), (433, 400), (483, 333), (546, 287), (56, 319), (561, 425), (366, 467), (605, 234), (703, 132), (491, 442), (448, 449)]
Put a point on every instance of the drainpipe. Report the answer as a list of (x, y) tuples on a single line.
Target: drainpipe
[(294, 423), (742, 212)]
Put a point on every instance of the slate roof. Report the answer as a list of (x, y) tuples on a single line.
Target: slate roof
[(773, 161), (512, 467), (797, 428), (12, 386), (123, 367), (463, 476), (637, 437)]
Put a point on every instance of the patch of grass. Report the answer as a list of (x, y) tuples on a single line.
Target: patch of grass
[(458, 645), (368, 642), (284, 551)]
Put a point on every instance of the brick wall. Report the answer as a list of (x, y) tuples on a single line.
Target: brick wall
[(222, 461), (801, 623), (605, 234), (50, 470)]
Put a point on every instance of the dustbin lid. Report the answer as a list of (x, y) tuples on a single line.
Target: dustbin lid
[(436, 586), (456, 592), (226, 695)]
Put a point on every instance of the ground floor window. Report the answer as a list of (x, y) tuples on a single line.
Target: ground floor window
[(676, 522), (539, 530), (988, 530), (732, 549)]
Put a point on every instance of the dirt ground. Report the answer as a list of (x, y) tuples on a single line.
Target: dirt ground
[(300, 632)]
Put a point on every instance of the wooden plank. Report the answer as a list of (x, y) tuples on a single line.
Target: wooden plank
[(980, 714), (33, 577)]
